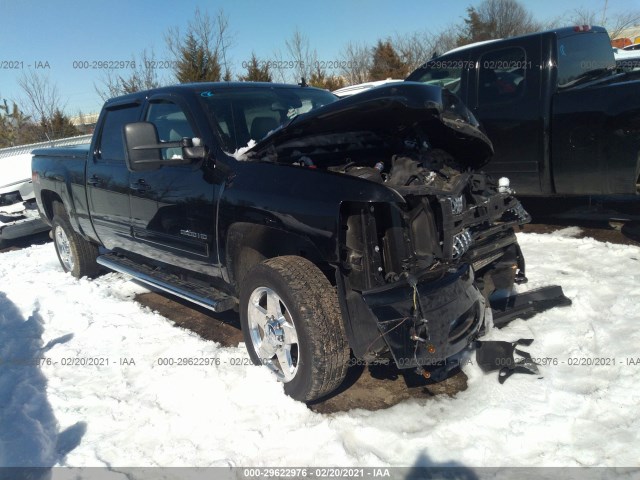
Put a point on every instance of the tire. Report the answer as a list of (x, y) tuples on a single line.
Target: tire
[(304, 342), (76, 255)]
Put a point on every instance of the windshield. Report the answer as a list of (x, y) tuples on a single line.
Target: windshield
[(245, 114), (444, 74), (584, 56)]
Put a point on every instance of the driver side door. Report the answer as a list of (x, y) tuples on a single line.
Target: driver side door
[(173, 207)]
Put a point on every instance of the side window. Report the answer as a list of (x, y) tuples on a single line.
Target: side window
[(111, 140), (172, 125), (501, 75), (581, 55)]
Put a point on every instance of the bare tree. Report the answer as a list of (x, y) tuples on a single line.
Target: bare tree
[(614, 23), (278, 73), (583, 16), (356, 63), (15, 127), (45, 107), (497, 19), (143, 76), (298, 61), (224, 41), (510, 16), (110, 85), (445, 40), (415, 48), (620, 22), (41, 96)]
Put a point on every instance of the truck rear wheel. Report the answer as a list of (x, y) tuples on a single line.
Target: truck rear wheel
[(76, 255), (292, 324)]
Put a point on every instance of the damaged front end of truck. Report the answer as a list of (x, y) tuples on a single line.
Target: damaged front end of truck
[(415, 278)]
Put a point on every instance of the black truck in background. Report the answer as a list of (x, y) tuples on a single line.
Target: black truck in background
[(359, 225), (563, 122)]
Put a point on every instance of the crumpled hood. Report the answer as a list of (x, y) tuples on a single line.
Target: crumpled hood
[(387, 111)]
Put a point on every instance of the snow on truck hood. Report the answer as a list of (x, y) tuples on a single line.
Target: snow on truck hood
[(387, 111)]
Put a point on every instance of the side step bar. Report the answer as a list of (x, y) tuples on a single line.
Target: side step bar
[(526, 305), (206, 297)]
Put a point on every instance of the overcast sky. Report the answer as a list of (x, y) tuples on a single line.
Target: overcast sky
[(54, 35)]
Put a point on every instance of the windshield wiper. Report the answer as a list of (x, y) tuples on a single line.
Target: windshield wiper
[(588, 75)]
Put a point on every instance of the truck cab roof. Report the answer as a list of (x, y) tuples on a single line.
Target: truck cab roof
[(561, 32), (208, 86)]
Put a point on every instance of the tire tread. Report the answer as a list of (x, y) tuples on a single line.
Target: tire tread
[(86, 252), (318, 303)]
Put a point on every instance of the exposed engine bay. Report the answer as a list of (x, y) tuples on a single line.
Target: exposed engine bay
[(452, 214), (435, 170), (417, 275)]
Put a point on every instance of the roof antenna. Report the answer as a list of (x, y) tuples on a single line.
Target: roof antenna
[(303, 83)]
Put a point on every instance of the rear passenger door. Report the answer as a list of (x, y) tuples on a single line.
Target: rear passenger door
[(107, 177), (173, 207)]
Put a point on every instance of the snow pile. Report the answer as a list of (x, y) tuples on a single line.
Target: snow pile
[(568, 232), (239, 154), (132, 409)]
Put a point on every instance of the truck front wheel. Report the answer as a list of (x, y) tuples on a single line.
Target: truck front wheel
[(291, 323), (76, 255)]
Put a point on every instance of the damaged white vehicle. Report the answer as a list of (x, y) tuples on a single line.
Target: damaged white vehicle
[(19, 215)]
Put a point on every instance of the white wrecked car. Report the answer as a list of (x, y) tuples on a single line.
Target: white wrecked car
[(18, 211)]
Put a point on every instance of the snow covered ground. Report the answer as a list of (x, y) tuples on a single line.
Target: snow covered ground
[(131, 410)]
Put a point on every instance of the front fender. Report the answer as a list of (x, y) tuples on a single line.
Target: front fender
[(301, 201)]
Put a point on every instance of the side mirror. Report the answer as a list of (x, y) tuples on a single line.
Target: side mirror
[(144, 149)]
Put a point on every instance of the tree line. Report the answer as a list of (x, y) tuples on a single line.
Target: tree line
[(38, 116), (202, 53)]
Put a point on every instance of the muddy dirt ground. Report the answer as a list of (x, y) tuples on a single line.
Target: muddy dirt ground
[(376, 387)]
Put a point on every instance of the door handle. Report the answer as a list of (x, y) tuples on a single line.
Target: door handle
[(94, 180), (140, 186)]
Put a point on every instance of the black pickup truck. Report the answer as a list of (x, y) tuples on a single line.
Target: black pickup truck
[(356, 225), (562, 120)]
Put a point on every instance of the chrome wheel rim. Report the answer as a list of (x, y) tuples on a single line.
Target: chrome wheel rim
[(273, 333), (64, 248)]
